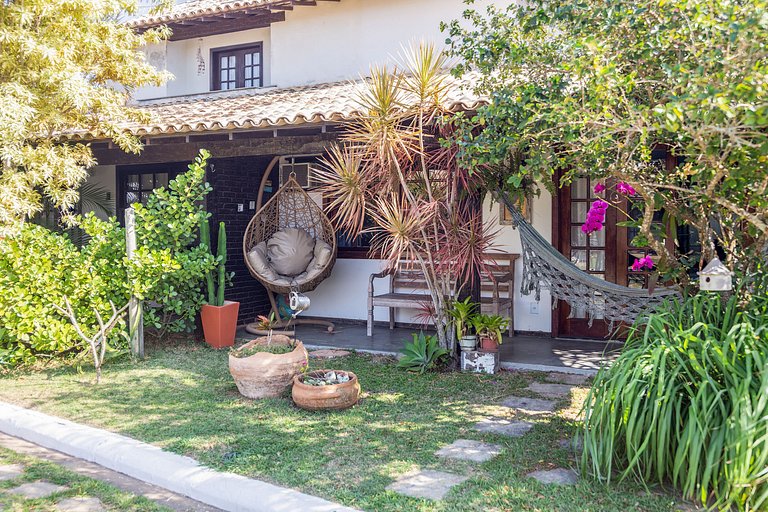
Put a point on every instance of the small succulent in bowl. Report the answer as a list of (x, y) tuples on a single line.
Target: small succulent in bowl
[(325, 379)]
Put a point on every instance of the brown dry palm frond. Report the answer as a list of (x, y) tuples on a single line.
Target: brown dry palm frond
[(464, 239), (400, 228), (382, 126), (343, 180)]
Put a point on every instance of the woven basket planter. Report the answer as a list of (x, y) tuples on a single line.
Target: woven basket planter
[(319, 398), (265, 375)]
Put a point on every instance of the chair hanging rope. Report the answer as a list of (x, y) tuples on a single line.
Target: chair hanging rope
[(545, 267)]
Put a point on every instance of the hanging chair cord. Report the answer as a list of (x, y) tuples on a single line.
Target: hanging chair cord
[(545, 267)]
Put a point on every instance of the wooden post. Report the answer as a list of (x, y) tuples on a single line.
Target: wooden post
[(135, 306)]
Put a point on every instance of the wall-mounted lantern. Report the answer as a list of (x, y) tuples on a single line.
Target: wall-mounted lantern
[(716, 277)]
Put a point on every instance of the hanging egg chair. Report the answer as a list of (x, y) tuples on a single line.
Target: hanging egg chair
[(289, 244)]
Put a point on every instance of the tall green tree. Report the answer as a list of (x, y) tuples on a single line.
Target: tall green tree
[(65, 66), (594, 87)]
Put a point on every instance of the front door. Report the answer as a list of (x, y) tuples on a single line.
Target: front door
[(607, 254)]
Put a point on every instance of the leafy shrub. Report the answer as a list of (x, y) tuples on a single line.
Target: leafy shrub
[(687, 402), (39, 268), (169, 223), (422, 354)]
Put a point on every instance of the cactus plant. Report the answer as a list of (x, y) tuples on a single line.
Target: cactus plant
[(216, 293)]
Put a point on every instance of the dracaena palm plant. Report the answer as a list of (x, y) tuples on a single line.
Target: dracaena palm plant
[(396, 168)]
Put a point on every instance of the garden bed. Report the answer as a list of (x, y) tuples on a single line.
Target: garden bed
[(182, 399)]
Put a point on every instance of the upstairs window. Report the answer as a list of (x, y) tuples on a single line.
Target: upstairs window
[(235, 67)]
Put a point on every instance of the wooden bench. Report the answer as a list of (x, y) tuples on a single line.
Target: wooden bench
[(409, 277)]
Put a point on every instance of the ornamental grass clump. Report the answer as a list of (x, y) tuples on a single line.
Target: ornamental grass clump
[(686, 403)]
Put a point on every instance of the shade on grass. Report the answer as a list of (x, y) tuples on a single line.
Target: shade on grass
[(183, 399)]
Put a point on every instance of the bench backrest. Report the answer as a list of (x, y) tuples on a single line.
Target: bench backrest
[(409, 275)]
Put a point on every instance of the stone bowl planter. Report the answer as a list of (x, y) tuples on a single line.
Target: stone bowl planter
[(331, 397), (266, 375)]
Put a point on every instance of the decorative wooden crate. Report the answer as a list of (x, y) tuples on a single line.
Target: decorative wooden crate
[(480, 362)]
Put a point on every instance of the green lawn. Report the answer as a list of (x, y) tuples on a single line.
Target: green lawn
[(78, 486), (183, 399)]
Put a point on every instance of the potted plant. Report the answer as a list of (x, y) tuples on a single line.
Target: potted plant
[(489, 329), (463, 313), (266, 366), (326, 390), (219, 316)]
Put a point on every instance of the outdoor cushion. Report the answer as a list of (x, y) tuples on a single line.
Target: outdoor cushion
[(290, 251), (322, 255), (260, 262)]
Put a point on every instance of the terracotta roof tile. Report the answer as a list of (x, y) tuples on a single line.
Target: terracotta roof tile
[(265, 108), (198, 8)]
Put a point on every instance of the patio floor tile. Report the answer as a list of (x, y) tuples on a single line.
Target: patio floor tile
[(557, 476), (35, 490), (466, 449), (504, 427), (529, 405), (426, 483), (551, 390)]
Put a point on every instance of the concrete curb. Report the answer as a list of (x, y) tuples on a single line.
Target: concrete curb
[(547, 368), (151, 464)]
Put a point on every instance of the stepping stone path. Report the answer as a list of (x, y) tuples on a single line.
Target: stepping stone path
[(35, 490), (573, 379), (571, 444), (426, 483), (80, 505), (557, 476), (328, 353), (529, 405), (466, 449), (503, 427), (10, 471), (551, 390)]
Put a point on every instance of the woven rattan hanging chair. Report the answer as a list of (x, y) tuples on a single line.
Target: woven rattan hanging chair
[(290, 207)]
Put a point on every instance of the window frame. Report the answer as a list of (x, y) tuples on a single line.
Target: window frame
[(122, 172), (239, 52)]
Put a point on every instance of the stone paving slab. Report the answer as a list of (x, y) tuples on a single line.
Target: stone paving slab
[(574, 445), (557, 476), (34, 490), (466, 449), (568, 378), (328, 353), (551, 390), (11, 471), (529, 405), (504, 427), (80, 505), (426, 483)]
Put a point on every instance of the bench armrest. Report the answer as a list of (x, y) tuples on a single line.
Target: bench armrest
[(378, 275)]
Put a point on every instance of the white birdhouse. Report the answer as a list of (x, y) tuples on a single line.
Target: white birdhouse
[(715, 277)]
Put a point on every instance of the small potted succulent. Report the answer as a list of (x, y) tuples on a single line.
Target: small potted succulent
[(219, 316), (489, 329), (326, 390), (463, 313)]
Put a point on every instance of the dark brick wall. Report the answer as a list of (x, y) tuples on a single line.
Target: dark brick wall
[(236, 181)]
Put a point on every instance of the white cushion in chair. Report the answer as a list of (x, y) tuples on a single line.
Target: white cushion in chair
[(289, 251)]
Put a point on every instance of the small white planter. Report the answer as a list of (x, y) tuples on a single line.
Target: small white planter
[(468, 343)]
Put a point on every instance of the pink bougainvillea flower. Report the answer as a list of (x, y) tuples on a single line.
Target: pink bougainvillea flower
[(626, 189), (599, 187), (595, 217), (641, 263)]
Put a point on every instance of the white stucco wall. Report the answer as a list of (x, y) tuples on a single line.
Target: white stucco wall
[(527, 318), (329, 42)]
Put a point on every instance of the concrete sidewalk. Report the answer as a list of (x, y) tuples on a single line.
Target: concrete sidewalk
[(150, 464)]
